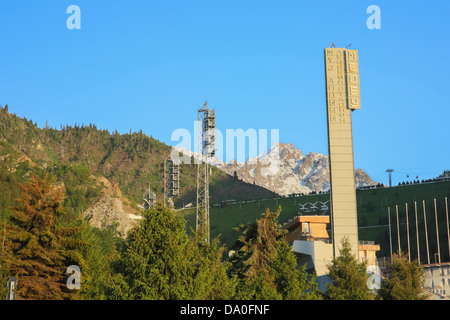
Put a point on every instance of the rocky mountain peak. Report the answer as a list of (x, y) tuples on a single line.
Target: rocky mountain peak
[(284, 169)]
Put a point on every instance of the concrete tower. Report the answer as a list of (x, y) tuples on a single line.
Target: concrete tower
[(342, 90)]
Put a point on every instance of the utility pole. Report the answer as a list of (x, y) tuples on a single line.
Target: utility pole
[(390, 233), (407, 232), (390, 176), (426, 231), (448, 231), (437, 231), (398, 230), (417, 233)]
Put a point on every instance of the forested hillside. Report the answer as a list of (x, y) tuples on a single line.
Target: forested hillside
[(77, 155)]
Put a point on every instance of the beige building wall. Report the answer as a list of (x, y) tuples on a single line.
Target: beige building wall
[(320, 253), (368, 253), (342, 90), (307, 227)]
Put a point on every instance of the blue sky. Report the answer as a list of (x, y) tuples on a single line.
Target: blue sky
[(150, 65)]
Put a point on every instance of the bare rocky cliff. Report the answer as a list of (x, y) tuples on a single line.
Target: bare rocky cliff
[(112, 208)]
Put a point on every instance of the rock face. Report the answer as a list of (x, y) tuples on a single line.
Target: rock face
[(362, 179), (284, 169), (112, 209)]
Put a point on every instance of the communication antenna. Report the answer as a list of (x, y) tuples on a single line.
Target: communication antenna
[(207, 148)]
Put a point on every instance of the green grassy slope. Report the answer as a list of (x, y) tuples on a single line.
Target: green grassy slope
[(372, 216)]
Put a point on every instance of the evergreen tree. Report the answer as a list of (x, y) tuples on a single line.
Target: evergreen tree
[(405, 280), (208, 279), (153, 264), (264, 265), (40, 248), (349, 277), (254, 251), (159, 261), (293, 283), (5, 256), (99, 256)]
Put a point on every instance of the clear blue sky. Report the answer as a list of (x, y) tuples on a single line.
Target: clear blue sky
[(150, 64)]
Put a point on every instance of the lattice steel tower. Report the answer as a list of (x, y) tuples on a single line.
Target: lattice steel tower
[(149, 199), (207, 147), (171, 181)]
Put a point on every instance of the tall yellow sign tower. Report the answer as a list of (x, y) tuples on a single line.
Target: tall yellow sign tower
[(343, 96)]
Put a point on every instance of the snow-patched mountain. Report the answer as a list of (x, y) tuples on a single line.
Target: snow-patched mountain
[(284, 169)]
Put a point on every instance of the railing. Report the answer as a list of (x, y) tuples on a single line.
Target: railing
[(367, 243)]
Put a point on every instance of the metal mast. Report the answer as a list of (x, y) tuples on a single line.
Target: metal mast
[(206, 147), (149, 199), (390, 176), (171, 181)]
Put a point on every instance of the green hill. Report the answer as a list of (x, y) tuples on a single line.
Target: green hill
[(372, 215), (77, 155), (373, 218)]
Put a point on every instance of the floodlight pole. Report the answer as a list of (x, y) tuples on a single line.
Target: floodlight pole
[(206, 146)]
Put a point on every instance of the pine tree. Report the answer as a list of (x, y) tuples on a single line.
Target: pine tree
[(208, 279), (160, 262), (40, 248), (348, 275), (153, 264), (98, 255), (405, 280), (254, 251), (293, 283)]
